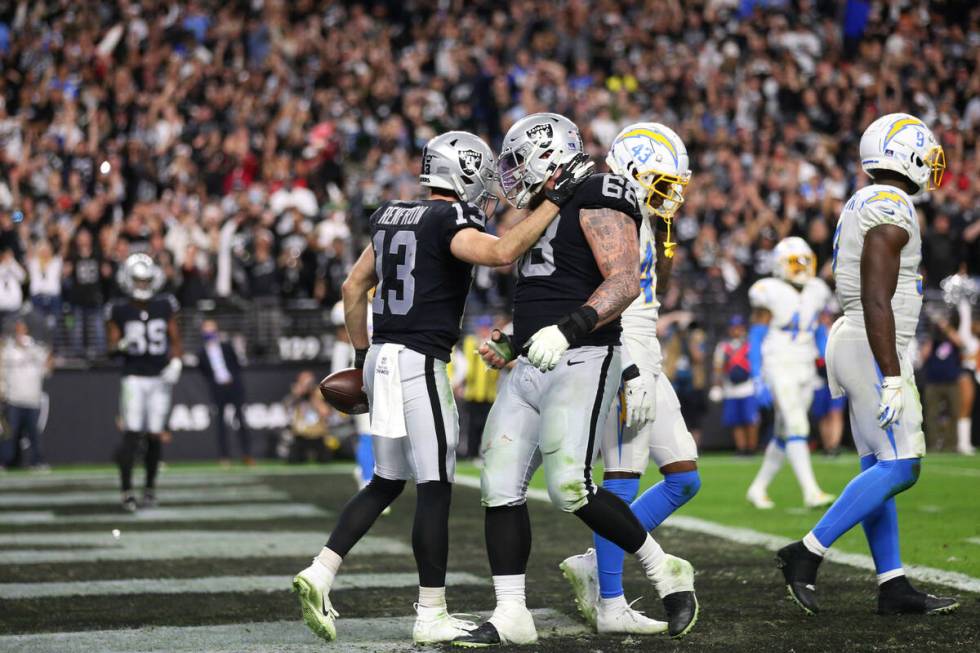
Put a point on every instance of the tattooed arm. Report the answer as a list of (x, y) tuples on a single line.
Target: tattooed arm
[(613, 238)]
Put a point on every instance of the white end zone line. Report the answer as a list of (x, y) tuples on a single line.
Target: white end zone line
[(214, 585), (775, 542)]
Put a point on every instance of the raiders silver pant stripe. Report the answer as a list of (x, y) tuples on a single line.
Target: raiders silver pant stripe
[(594, 420), (437, 421)]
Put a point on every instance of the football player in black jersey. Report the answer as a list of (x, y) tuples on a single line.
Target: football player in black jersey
[(143, 331), (420, 263), (572, 286)]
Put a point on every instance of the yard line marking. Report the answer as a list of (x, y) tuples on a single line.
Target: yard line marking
[(55, 481), (216, 513), (213, 476), (215, 584), (366, 634), (954, 471), (179, 495), (175, 545), (775, 542), (973, 540)]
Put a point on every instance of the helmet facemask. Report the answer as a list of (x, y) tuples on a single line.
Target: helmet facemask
[(518, 180), (798, 269), (936, 160), (663, 195)]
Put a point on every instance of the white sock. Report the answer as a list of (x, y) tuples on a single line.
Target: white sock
[(813, 545), (964, 426), (888, 575), (509, 588), (772, 461), (432, 597), (798, 453), (613, 603), (651, 556), (330, 561)]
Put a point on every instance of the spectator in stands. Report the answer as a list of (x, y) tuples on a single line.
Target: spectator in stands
[(221, 368), (941, 371), (479, 385), (684, 364), (733, 386), (308, 422), (827, 410), (12, 278), (86, 276), (44, 272), (24, 364)]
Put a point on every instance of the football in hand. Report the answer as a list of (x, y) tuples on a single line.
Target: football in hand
[(344, 390)]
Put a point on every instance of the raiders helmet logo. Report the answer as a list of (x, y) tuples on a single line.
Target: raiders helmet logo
[(470, 162), (541, 135)]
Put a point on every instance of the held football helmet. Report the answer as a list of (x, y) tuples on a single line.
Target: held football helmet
[(902, 143), (795, 261), (653, 159), (462, 163), (534, 148), (140, 277)]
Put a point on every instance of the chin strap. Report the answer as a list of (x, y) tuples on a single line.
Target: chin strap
[(668, 244)]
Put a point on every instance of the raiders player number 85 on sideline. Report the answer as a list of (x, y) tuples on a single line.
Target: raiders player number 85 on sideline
[(420, 263), (143, 331)]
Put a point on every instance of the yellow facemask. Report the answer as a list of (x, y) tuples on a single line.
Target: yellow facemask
[(936, 160)]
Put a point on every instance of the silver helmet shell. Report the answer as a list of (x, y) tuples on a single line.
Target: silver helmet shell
[(462, 163), (534, 147), (140, 277)]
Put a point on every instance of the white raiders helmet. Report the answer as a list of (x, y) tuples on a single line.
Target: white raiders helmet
[(534, 147), (140, 277), (795, 261), (462, 163), (902, 143)]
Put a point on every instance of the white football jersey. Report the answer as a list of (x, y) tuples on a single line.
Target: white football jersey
[(795, 316), (869, 207), (641, 316)]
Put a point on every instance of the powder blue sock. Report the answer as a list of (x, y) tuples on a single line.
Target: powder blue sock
[(881, 530), (609, 557), (364, 455), (660, 501), (864, 495)]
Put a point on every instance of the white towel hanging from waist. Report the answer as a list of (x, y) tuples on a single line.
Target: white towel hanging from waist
[(387, 404)]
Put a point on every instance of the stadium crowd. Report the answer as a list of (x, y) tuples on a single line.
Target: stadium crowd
[(244, 144)]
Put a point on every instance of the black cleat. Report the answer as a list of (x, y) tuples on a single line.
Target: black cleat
[(799, 566), (129, 503), (898, 596), (149, 499), (682, 613), (482, 636)]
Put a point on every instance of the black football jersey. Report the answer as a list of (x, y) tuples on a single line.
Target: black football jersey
[(144, 328), (422, 287), (560, 273)]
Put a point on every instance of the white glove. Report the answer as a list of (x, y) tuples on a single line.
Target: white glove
[(716, 394), (641, 400), (546, 347), (171, 373), (890, 406)]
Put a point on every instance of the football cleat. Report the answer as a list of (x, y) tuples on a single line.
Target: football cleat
[(434, 625), (581, 573), (898, 596), (620, 617), (759, 499), (129, 502), (799, 566), (675, 585), (511, 623), (318, 613), (819, 500)]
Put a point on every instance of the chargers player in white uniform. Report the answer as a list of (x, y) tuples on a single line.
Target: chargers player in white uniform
[(789, 303), (653, 158), (877, 250)]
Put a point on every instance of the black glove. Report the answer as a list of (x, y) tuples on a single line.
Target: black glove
[(567, 181)]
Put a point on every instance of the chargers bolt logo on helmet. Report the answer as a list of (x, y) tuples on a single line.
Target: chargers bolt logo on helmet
[(902, 143), (654, 160)]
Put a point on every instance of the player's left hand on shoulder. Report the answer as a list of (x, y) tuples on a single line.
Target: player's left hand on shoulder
[(891, 404), (567, 178), (641, 398), (546, 347)]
